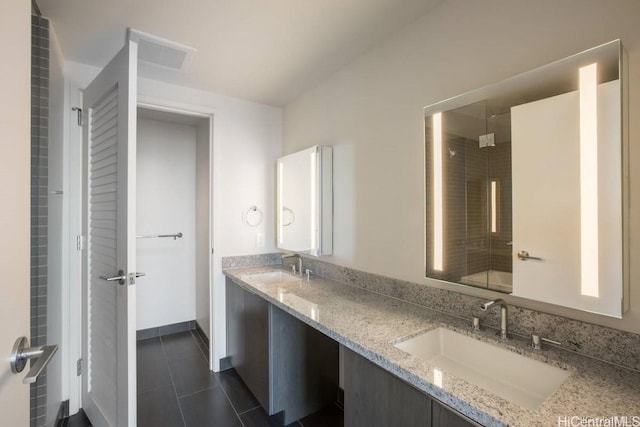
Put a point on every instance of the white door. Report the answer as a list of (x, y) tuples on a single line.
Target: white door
[(109, 210), (14, 192), (546, 201)]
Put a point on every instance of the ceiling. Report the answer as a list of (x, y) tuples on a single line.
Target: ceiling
[(267, 51)]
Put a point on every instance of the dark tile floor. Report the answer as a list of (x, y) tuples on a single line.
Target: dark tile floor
[(176, 389)]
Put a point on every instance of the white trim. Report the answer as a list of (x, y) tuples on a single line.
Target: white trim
[(162, 104), (73, 256)]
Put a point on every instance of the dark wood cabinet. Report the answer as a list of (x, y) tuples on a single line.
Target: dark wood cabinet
[(235, 326), (291, 368), (255, 367), (444, 416), (375, 398)]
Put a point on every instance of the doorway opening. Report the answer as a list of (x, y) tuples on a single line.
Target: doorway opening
[(173, 222)]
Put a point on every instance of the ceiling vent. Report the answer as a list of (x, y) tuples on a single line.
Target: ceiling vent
[(161, 52)]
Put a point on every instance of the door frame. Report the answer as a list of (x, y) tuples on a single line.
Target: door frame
[(194, 110), (74, 261), (74, 160)]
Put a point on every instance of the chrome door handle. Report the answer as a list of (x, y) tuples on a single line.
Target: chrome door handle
[(524, 256), (22, 352), (120, 278)]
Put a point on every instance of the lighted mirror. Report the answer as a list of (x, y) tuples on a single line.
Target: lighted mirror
[(305, 201), (526, 185)]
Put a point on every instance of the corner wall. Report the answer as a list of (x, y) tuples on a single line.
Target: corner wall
[(371, 111)]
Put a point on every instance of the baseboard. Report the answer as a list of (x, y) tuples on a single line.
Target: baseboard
[(225, 363), (161, 331), (202, 335), (63, 414)]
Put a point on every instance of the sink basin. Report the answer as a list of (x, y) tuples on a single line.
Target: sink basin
[(516, 378), (270, 277)]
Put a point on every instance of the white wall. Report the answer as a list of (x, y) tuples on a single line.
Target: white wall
[(15, 69), (58, 273), (371, 111), (166, 204), (247, 140)]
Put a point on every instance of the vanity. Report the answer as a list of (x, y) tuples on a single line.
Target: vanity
[(291, 368), (383, 382)]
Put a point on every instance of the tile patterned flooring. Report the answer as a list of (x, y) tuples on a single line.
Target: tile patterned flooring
[(176, 389)]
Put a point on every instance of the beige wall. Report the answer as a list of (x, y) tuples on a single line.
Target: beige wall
[(15, 72), (371, 112)]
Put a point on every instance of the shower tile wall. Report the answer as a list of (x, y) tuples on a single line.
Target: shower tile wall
[(469, 168), (456, 210), (500, 169), (473, 174), (39, 203)]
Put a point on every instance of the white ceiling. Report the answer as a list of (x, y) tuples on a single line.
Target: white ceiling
[(267, 51)]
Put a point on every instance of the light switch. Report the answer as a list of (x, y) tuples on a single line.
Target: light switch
[(259, 240)]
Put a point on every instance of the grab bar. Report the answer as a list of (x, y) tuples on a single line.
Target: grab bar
[(155, 236)]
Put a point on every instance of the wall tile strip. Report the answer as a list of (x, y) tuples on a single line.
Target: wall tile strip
[(600, 342), (251, 260), (39, 204)]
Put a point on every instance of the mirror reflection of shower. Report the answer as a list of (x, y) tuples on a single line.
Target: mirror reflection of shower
[(476, 145)]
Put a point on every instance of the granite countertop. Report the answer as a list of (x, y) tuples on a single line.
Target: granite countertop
[(369, 324)]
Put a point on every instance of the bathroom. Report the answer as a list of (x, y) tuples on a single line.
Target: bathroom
[(370, 110)]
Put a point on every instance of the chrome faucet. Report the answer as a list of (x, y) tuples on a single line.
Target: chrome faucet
[(293, 267), (503, 314)]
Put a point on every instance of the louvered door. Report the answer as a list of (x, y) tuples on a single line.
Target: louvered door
[(109, 376)]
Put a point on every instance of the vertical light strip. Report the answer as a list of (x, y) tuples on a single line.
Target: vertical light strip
[(280, 207), (438, 246), (314, 198), (589, 180), (494, 206)]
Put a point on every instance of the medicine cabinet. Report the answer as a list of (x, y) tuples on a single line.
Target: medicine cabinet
[(305, 201), (526, 184)]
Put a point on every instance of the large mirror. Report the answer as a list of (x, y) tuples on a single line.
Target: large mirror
[(305, 201), (526, 185)]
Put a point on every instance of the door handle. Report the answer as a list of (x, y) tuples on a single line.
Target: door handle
[(524, 256), (22, 352), (120, 278)]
